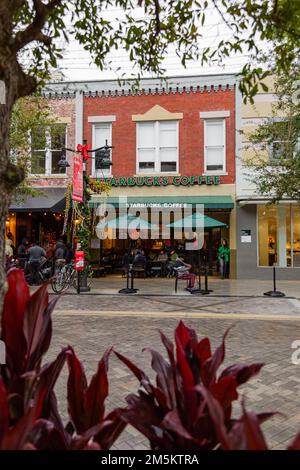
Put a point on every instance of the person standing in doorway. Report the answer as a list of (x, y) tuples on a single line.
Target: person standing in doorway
[(223, 257)]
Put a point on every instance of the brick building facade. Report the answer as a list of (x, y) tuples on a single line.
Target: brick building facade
[(173, 143)]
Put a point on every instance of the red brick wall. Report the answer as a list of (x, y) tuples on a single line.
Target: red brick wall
[(191, 128)]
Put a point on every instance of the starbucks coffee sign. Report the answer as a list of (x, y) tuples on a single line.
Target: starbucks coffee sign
[(162, 180)]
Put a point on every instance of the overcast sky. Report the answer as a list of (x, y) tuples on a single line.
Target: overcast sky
[(78, 65)]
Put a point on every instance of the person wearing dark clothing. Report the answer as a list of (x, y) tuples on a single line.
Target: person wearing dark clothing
[(139, 259), (37, 256), (60, 250), (36, 252)]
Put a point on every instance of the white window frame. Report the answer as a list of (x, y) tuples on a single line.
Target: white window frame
[(100, 173), (48, 154), (157, 160), (215, 172)]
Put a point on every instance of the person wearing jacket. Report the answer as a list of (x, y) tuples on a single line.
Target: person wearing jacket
[(223, 257)]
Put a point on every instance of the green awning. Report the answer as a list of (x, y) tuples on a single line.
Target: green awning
[(198, 221), (126, 222), (209, 202)]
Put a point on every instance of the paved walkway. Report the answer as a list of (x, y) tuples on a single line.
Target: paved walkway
[(162, 286), (263, 330)]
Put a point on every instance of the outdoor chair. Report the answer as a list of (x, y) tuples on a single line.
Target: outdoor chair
[(139, 271), (179, 277)]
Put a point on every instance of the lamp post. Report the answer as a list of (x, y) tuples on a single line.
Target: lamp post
[(102, 156)]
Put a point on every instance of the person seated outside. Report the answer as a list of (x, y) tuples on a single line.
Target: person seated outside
[(171, 263), (162, 256), (182, 270), (139, 259)]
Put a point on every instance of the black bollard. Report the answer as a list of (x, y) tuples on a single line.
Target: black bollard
[(274, 292), (78, 282), (206, 290), (127, 289)]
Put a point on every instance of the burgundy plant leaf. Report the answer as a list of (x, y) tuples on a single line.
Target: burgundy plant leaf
[(45, 337), (246, 434), (77, 385), (17, 436), (111, 428), (33, 319), (295, 444), (186, 373), (164, 378), (140, 375), (203, 350), (143, 415), (225, 392), (96, 393), (217, 416), (45, 436), (4, 411), (169, 348), (173, 422), (210, 367), (49, 375), (242, 373), (15, 302), (183, 335)]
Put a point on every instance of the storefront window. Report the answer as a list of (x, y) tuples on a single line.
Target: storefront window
[(275, 226), (157, 147), (296, 237)]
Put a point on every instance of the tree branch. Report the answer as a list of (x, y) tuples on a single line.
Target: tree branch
[(33, 32)]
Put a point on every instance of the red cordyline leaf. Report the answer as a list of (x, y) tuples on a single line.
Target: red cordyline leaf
[(15, 302), (4, 411), (96, 393), (188, 382), (164, 378), (217, 416), (110, 430), (140, 375), (48, 377), (77, 385), (295, 444), (225, 392), (246, 433), (242, 373), (203, 350), (210, 367), (17, 436)]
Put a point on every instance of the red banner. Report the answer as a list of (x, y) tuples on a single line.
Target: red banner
[(79, 260), (77, 178)]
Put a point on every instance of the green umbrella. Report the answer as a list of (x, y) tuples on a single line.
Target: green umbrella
[(127, 222), (197, 220)]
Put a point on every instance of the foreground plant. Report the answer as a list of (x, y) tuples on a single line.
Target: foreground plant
[(190, 407), (30, 416)]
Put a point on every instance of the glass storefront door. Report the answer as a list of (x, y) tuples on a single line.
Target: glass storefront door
[(279, 235)]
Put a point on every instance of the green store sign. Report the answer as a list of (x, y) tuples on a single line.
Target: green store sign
[(162, 180)]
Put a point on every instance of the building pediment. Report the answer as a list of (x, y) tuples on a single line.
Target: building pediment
[(157, 113)]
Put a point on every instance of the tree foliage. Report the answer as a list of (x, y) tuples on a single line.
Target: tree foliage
[(28, 115), (275, 164), (33, 27)]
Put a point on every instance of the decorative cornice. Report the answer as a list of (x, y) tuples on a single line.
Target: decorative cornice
[(148, 86)]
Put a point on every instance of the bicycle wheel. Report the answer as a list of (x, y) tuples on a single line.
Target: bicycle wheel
[(59, 282)]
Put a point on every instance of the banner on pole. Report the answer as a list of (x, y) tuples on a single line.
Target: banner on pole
[(79, 260), (77, 178)]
